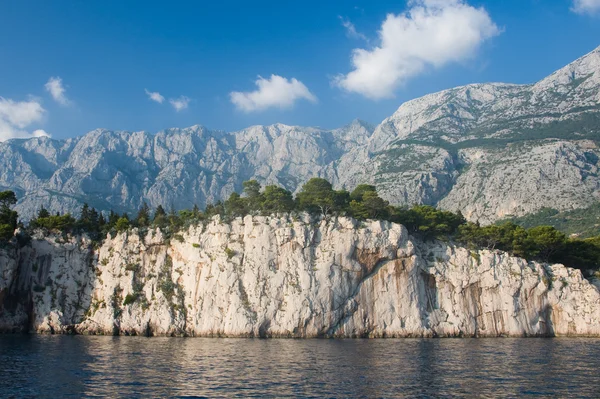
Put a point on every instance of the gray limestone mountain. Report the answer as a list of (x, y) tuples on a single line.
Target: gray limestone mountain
[(488, 150)]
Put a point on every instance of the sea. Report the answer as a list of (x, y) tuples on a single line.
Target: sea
[(55, 366)]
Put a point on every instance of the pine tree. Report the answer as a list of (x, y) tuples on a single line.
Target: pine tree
[(160, 217), (143, 217), (277, 200), (43, 212), (253, 195), (317, 195), (235, 206), (8, 217)]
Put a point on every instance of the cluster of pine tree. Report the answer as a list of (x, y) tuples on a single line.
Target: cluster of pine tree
[(544, 243), (317, 196)]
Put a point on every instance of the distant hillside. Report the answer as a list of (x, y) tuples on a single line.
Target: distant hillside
[(581, 222)]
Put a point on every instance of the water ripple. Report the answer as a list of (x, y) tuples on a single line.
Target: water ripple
[(78, 366)]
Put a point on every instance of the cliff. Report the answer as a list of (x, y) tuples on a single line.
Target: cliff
[(287, 277)]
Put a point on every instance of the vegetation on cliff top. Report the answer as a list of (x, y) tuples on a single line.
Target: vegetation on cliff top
[(317, 196), (583, 223)]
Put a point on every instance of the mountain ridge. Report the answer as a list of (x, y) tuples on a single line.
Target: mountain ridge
[(463, 148)]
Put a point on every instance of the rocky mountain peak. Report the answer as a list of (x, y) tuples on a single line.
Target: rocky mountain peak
[(488, 150), (582, 74)]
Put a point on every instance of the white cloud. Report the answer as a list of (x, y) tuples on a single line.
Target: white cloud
[(180, 103), (277, 92), (40, 133), (351, 31), (55, 87), (155, 96), (586, 6), (15, 116), (430, 33)]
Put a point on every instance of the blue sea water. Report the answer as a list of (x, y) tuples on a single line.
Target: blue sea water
[(34, 366)]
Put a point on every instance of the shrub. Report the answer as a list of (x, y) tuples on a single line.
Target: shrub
[(55, 222), (8, 217), (132, 267), (6, 232), (122, 224), (116, 301), (167, 287), (130, 298), (179, 237)]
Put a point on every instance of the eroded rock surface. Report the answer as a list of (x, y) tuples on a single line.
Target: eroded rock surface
[(288, 277)]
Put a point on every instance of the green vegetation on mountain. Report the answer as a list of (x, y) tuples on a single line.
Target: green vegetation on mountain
[(583, 223), (543, 243), (583, 125)]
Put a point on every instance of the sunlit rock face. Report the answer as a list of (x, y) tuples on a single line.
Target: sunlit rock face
[(288, 277), (488, 150)]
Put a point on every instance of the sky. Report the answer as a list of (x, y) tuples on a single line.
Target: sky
[(68, 67)]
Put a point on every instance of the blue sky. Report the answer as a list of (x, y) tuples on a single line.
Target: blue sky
[(105, 55)]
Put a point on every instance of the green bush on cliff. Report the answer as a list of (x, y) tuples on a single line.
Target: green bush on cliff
[(6, 232), (130, 299), (55, 222), (229, 252), (8, 217), (122, 224), (543, 243), (427, 221)]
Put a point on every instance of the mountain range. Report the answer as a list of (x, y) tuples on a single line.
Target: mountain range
[(489, 150)]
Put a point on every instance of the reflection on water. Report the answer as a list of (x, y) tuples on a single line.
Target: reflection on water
[(77, 366)]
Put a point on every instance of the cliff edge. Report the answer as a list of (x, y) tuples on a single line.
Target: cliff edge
[(287, 277)]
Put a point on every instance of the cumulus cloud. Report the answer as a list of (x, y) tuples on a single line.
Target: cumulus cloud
[(180, 103), (276, 92), (55, 87), (16, 116), (40, 133), (430, 33), (351, 31), (586, 6), (155, 96)]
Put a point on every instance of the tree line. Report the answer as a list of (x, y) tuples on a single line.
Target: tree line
[(317, 196)]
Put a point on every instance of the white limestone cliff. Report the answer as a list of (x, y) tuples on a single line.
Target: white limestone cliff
[(288, 277)]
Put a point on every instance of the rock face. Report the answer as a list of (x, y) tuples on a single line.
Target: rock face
[(482, 149), (288, 277)]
